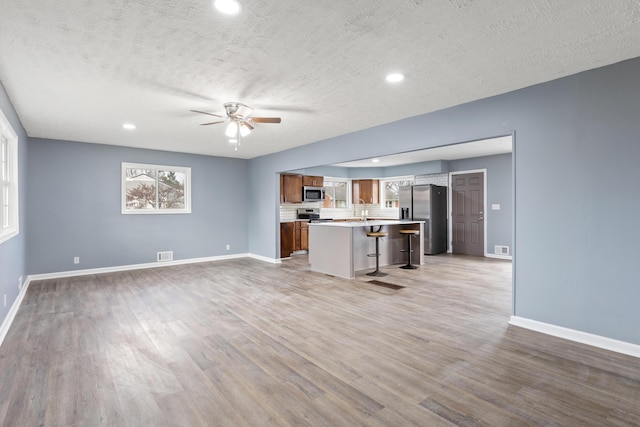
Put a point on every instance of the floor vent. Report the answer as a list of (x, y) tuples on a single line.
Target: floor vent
[(501, 250), (165, 256)]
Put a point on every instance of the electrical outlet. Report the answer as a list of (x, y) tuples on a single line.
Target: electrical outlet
[(228, 246), (5, 300), (76, 260), (19, 283)]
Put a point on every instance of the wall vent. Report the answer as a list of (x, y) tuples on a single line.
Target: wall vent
[(501, 250), (165, 256)]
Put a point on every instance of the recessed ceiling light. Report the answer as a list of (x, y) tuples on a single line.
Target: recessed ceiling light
[(230, 7), (395, 77), (375, 160), (129, 126)]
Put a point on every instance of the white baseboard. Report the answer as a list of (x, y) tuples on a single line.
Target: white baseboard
[(156, 264), (265, 259), (577, 336), (499, 256), (6, 324)]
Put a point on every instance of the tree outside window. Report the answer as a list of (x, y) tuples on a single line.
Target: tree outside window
[(392, 190), (155, 189), (335, 193)]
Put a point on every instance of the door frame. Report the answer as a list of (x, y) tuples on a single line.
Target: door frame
[(450, 207)]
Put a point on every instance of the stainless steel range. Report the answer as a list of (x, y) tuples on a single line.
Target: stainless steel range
[(312, 214)]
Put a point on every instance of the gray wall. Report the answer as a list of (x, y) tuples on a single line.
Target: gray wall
[(576, 143), (13, 254), (74, 208)]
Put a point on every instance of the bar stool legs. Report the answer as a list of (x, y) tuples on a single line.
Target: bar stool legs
[(409, 250), (377, 235)]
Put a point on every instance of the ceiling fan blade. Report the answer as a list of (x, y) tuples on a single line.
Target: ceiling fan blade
[(246, 123), (212, 123), (209, 114), (266, 119)]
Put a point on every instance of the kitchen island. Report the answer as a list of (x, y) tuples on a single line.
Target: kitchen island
[(341, 248)]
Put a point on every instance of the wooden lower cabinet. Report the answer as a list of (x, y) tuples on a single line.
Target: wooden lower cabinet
[(286, 239), (304, 236), (294, 236)]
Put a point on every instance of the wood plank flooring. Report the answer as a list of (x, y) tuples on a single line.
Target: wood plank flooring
[(248, 343)]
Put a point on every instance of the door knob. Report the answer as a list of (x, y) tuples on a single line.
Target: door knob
[(480, 219)]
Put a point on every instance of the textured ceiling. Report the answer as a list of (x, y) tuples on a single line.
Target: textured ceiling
[(79, 69)]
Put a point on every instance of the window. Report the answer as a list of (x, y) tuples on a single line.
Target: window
[(153, 189), (8, 180), (391, 188), (335, 193)]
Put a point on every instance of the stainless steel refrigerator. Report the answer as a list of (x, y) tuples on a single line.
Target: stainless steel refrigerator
[(427, 203)]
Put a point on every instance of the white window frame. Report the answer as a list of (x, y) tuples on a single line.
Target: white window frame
[(383, 182), (156, 211), (9, 221), (347, 182)]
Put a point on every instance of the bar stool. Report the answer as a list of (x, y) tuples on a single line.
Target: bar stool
[(377, 235), (409, 250)]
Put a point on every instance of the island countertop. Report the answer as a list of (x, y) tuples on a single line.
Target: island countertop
[(342, 248), (372, 223)]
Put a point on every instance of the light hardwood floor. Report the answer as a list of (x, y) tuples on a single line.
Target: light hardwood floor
[(248, 343)]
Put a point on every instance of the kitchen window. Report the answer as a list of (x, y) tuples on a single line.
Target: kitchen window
[(335, 193), (8, 180), (390, 190), (154, 189)]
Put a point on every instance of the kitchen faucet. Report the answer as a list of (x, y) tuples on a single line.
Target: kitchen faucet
[(360, 202), (363, 212)]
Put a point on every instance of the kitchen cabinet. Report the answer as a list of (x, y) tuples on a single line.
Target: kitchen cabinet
[(312, 181), (365, 190), (304, 235), (290, 188), (301, 236), (287, 230), (294, 236)]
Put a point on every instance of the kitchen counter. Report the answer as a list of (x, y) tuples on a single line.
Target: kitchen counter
[(340, 248), (367, 223)]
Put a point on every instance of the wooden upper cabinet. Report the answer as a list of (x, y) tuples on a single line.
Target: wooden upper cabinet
[(290, 188), (312, 181), (366, 190), (281, 188)]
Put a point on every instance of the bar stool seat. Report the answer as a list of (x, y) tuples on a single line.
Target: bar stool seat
[(409, 250), (377, 235)]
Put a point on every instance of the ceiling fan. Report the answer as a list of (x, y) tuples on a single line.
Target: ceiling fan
[(239, 121)]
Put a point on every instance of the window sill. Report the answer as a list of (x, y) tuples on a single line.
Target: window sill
[(8, 235)]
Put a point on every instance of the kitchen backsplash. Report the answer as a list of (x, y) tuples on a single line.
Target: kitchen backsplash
[(288, 212), (434, 178)]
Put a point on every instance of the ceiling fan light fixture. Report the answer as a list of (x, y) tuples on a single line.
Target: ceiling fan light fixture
[(228, 7), (244, 130), (232, 129)]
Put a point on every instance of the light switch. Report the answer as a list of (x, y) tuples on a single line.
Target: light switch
[(495, 206)]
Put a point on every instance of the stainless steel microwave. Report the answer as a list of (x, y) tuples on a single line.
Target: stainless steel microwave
[(312, 194)]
